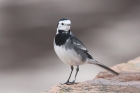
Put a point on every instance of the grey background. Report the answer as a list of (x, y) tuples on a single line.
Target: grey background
[(110, 29)]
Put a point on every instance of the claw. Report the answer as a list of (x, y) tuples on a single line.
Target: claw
[(70, 83)]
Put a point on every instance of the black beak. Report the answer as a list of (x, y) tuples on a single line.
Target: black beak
[(68, 24)]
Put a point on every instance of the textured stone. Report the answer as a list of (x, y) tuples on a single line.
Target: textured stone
[(127, 82)]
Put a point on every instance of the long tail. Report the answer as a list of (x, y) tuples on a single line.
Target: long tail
[(103, 66)]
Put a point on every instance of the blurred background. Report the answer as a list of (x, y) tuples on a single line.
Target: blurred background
[(110, 29)]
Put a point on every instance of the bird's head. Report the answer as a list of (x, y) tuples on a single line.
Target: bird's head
[(64, 24)]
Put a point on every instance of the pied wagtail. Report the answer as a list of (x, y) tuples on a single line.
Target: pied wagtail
[(71, 50)]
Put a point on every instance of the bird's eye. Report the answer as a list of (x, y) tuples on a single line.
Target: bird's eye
[(62, 23)]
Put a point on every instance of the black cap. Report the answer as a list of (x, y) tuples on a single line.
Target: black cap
[(63, 19)]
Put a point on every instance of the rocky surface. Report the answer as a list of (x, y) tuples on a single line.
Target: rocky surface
[(127, 82)]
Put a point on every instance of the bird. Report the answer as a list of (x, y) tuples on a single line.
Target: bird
[(72, 51)]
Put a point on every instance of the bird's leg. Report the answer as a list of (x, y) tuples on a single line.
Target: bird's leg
[(68, 83), (77, 69)]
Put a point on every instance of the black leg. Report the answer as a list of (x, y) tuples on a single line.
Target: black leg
[(69, 76), (77, 69)]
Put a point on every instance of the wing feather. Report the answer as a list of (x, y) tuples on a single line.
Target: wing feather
[(77, 44)]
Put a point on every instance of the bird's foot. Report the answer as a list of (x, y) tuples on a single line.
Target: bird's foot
[(70, 83)]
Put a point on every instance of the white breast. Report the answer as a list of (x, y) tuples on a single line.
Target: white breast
[(68, 56)]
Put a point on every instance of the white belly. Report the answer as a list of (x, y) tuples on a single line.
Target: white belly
[(68, 56)]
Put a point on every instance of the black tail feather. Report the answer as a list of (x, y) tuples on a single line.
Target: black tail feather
[(103, 66), (108, 69)]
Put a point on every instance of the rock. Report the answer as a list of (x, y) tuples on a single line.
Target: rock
[(127, 82)]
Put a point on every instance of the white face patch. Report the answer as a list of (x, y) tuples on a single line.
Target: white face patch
[(64, 25)]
